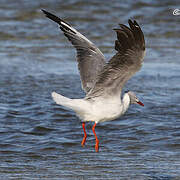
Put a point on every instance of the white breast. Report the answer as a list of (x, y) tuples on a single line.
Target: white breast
[(101, 110)]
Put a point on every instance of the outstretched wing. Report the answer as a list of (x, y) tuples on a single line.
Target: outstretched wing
[(90, 59), (130, 45)]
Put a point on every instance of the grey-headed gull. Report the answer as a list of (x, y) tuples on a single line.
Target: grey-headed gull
[(101, 81)]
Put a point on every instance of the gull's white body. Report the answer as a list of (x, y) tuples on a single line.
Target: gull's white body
[(97, 110)]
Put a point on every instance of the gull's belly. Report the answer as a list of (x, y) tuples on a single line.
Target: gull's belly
[(100, 112), (107, 112)]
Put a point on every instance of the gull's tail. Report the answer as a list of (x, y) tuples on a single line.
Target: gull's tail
[(61, 100), (74, 104)]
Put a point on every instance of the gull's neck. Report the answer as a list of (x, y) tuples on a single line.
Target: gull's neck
[(125, 102)]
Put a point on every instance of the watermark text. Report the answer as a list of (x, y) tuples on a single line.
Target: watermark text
[(176, 12)]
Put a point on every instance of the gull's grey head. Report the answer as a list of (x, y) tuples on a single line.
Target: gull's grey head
[(133, 98)]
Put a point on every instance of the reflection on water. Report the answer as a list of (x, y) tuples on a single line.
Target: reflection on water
[(41, 140)]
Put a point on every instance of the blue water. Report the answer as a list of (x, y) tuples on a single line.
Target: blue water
[(41, 140)]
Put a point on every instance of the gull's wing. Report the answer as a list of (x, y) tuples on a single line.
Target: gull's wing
[(130, 45), (90, 59)]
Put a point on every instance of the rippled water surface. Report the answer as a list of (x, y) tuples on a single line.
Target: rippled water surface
[(41, 140)]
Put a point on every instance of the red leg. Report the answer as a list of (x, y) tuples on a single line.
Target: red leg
[(97, 141), (85, 135)]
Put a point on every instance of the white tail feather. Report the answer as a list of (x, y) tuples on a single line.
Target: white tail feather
[(59, 99), (74, 104)]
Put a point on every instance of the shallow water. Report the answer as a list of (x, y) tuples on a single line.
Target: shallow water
[(41, 140)]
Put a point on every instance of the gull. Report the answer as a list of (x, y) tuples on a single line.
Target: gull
[(103, 82)]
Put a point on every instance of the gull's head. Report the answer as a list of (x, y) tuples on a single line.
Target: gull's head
[(134, 99)]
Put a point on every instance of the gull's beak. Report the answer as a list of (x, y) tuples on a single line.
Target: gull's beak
[(140, 103)]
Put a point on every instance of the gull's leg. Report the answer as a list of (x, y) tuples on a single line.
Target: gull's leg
[(85, 135), (97, 141)]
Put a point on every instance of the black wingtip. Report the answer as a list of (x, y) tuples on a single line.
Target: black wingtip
[(128, 37), (130, 21), (44, 11), (53, 17), (115, 29), (135, 23)]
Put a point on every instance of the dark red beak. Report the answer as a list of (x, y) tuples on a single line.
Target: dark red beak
[(140, 103)]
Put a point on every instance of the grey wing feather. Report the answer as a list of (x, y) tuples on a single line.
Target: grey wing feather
[(90, 59), (130, 45)]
